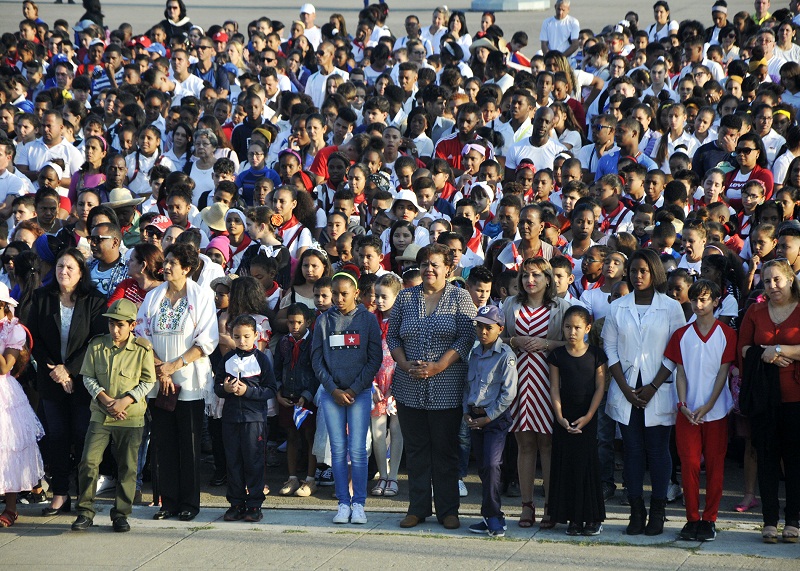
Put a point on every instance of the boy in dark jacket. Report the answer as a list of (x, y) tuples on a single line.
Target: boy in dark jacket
[(297, 385), (246, 381)]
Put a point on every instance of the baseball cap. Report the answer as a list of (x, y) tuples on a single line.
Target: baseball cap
[(491, 314), (122, 310), (220, 37), (160, 223), (143, 41), (157, 48), (308, 9)]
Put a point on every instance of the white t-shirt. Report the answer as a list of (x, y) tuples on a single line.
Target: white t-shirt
[(315, 86), (10, 186), (202, 180), (780, 167), (542, 157), (559, 34), (37, 154)]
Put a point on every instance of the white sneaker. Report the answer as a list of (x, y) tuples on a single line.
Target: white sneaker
[(462, 489), (358, 515), (673, 493), (105, 483), (343, 515)]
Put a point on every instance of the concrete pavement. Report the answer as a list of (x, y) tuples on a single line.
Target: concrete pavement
[(306, 539)]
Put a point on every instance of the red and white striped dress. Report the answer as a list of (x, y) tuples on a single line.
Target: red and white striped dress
[(532, 409)]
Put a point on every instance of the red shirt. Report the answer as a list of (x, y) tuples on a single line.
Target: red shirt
[(320, 165), (449, 149), (757, 328)]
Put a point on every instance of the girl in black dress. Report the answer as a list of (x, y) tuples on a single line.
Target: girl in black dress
[(577, 382)]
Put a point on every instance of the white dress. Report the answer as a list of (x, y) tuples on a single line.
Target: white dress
[(21, 464)]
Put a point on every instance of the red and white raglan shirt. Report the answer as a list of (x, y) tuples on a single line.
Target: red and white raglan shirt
[(618, 220), (701, 357)]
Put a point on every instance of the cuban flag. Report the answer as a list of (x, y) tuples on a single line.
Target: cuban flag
[(344, 340), (300, 415)]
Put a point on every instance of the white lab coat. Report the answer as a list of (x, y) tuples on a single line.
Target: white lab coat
[(638, 346)]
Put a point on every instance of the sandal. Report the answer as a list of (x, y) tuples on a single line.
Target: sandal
[(391, 488), (379, 488), (528, 521), (769, 534), (744, 507), (546, 522), (7, 518), (790, 534)]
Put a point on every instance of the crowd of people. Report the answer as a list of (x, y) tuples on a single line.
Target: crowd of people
[(414, 245)]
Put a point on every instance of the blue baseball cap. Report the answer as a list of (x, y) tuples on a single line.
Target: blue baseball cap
[(492, 315), (157, 49)]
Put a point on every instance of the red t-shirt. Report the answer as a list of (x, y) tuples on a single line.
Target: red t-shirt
[(320, 165)]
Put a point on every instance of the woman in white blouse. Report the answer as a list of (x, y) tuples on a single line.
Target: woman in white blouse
[(643, 398), (178, 318)]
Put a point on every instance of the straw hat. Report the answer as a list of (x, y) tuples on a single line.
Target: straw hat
[(120, 197), (214, 216)]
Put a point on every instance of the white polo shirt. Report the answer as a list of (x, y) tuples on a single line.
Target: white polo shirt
[(559, 34), (10, 185), (37, 154)]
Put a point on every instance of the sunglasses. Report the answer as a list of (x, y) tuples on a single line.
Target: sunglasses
[(320, 52), (744, 151), (98, 239)]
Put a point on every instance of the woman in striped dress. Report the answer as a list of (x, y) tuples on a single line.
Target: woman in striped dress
[(533, 329)]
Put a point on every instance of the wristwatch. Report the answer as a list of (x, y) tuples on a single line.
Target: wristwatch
[(777, 349)]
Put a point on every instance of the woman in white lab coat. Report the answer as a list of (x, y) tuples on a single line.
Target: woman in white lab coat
[(643, 398)]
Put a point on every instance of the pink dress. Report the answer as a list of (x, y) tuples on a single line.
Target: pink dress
[(21, 464), (532, 409), (383, 380)]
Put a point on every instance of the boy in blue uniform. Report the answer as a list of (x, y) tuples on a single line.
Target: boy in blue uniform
[(246, 381), (490, 390)]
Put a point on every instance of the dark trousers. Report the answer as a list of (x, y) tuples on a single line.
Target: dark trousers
[(488, 444), (245, 449), (66, 422), (606, 430), (430, 439), (217, 445), (126, 447), (784, 446), (176, 436), (646, 445)]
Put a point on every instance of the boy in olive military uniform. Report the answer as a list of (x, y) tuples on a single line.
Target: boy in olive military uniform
[(118, 372)]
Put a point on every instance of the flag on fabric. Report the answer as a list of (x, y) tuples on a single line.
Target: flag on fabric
[(300, 415)]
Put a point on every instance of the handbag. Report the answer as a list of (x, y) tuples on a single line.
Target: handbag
[(167, 402)]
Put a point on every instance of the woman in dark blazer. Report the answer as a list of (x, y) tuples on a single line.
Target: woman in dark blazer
[(63, 317)]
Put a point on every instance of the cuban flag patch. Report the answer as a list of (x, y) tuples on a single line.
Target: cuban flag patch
[(344, 340)]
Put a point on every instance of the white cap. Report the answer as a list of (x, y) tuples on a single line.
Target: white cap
[(308, 9)]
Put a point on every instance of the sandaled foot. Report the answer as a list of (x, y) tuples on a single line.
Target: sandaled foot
[(379, 488), (769, 534), (790, 534), (746, 505), (7, 518), (546, 522), (391, 488), (528, 516)]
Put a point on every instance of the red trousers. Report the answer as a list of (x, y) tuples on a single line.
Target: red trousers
[(708, 440)]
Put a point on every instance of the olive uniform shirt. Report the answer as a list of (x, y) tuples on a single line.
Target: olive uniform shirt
[(119, 371)]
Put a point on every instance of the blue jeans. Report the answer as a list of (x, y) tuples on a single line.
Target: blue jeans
[(653, 441), (142, 456), (606, 429), (347, 428)]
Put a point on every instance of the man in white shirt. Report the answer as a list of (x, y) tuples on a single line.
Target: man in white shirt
[(539, 147), (766, 39), (315, 86), (603, 128), (308, 14), (51, 146), (519, 127), (10, 185), (185, 82), (695, 54), (413, 32), (560, 32)]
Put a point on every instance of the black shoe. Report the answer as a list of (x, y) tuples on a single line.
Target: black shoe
[(513, 490), (655, 524), (638, 517), (234, 513), (217, 480), (253, 515), (706, 531), (65, 508), (689, 531), (164, 514), (120, 524), (608, 491), (593, 528), (82, 523), (187, 515), (574, 528)]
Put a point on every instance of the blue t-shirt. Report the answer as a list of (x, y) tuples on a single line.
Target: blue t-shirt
[(608, 163)]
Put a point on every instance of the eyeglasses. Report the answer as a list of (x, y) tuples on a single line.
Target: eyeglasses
[(255, 154), (320, 52), (151, 231), (731, 36), (744, 151), (269, 59), (597, 127), (418, 52), (98, 239), (205, 48)]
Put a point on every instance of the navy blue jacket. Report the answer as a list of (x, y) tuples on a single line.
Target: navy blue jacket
[(254, 368)]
